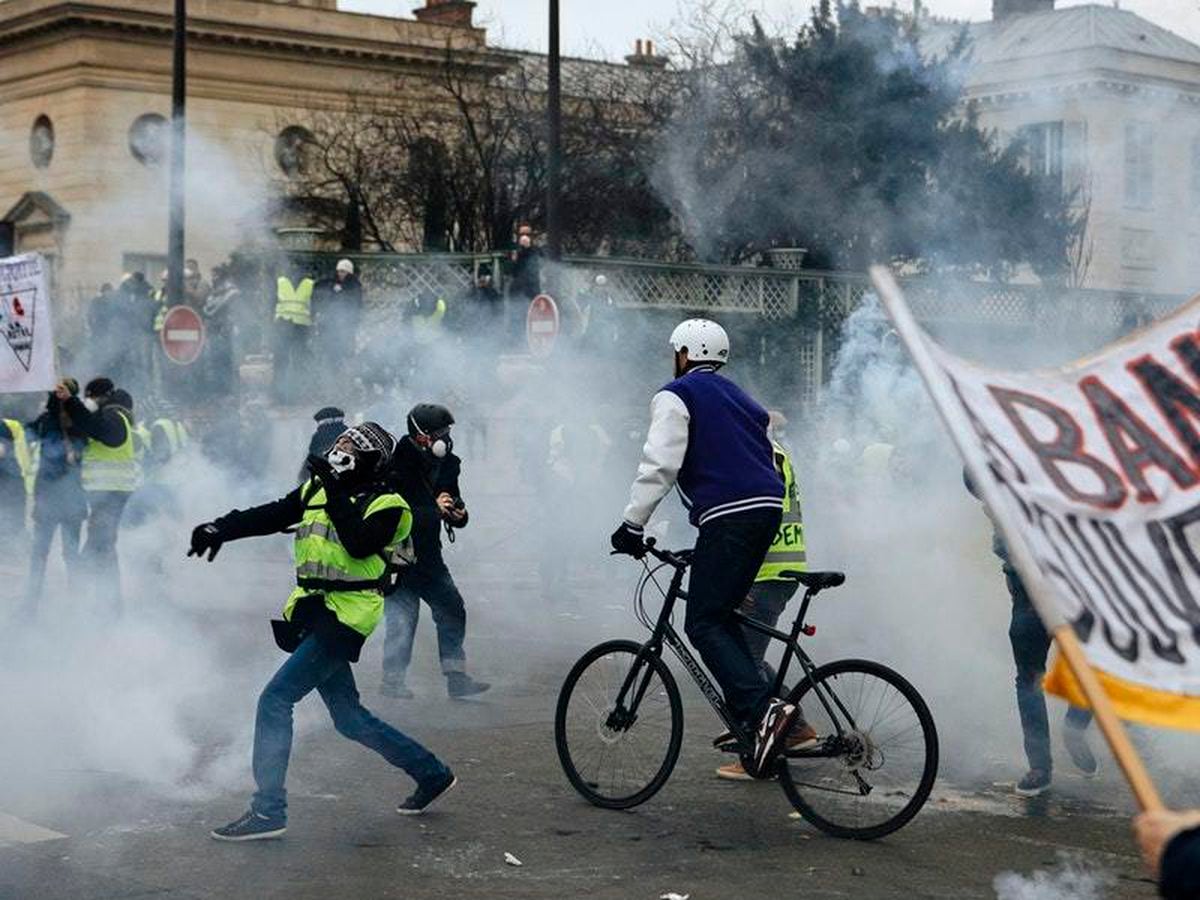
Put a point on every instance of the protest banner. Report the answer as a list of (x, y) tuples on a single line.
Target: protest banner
[(27, 362), (1091, 472)]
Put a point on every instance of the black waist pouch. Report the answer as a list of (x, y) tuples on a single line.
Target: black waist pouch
[(288, 635)]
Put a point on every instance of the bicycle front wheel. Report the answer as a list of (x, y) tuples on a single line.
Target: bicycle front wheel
[(877, 753), (618, 725)]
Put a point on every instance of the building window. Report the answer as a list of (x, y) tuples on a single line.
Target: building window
[(1044, 148), (1139, 165), (41, 141), (291, 150), (148, 139)]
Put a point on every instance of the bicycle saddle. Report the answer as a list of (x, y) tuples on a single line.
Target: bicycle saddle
[(817, 581)]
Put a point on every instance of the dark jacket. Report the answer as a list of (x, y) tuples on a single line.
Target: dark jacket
[(361, 535), (105, 425), (337, 305), (419, 477), (54, 443), (1180, 875)]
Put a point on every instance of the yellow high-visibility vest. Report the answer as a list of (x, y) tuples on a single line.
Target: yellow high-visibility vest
[(293, 302), (352, 587), (22, 453), (108, 468), (787, 552)]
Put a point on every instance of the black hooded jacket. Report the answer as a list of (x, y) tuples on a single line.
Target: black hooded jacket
[(419, 477)]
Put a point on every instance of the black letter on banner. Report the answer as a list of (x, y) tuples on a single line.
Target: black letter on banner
[(1117, 548), (1086, 620), (1112, 594), (1188, 610), (1132, 441), (1175, 398), (1066, 447)]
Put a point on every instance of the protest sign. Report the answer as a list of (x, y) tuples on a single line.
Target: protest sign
[(1091, 472), (27, 359)]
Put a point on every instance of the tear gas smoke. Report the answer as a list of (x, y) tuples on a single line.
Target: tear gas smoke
[(1071, 879)]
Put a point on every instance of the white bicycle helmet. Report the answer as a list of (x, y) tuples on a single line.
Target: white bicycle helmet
[(703, 339)]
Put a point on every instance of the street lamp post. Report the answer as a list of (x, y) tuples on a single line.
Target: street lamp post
[(554, 156), (175, 247)]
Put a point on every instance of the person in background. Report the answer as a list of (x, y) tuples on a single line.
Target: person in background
[(195, 288), (425, 472), (219, 310), (1030, 648), (331, 424), (481, 309), (102, 322), (109, 474), (525, 281), (16, 477), (1170, 845), (293, 327), (337, 312), (347, 523), (59, 503)]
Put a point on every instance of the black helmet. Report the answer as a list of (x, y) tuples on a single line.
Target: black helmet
[(429, 419)]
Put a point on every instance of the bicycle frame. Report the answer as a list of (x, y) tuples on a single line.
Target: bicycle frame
[(664, 632)]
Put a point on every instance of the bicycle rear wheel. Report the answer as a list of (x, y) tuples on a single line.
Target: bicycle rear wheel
[(618, 757), (877, 775)]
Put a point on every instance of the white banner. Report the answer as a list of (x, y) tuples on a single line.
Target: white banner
[(27, 357), (1092, 474)]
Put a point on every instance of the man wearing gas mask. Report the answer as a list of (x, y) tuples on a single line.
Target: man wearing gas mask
[(347, 523), (425, 472)]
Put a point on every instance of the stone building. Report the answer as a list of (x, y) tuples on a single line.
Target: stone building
[(1109, 105), (85, 98)]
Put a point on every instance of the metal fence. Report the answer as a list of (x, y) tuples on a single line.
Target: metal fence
[(788, 312)]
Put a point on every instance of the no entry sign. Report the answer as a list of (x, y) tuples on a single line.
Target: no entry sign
[(182, 335), (541, 324)]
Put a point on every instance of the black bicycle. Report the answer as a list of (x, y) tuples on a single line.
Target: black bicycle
[(619, 721)]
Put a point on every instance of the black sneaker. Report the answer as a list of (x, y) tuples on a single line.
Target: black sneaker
[(1081, 754), (460, 685), (397, 690), (250, 827), (726, 742), (1035, 782), (425, 794), (771, 733)]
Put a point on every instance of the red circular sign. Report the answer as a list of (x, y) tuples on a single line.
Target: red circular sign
[(541, 324), (182, 335)]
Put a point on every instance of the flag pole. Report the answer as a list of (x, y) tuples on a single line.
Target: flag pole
[(1110, 725), (939, 388)]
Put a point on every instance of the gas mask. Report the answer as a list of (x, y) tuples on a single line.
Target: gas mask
[(91, 404), (340, 461), (441, 446)]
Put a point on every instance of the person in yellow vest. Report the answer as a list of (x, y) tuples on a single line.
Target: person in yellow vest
[(772, 590), (16, 477), (347, 524), (427, 317), (293, 326), (110, 474)]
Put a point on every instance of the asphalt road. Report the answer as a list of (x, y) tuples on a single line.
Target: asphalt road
[(114, 836)]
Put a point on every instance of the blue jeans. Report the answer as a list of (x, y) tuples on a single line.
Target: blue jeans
[(1030, 647), (402, 611), (313, 666), (766, 602), (729, 552)]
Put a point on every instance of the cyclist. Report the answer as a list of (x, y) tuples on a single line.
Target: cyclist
[(708, 438)]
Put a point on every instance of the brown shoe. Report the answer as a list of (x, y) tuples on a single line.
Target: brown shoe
[(802, 737), (733, 772)]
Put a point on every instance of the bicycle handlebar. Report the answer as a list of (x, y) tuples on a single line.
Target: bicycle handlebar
[(680, 560)]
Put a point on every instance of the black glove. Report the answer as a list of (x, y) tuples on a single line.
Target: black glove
[(206, 537), (330, 480), (628, 539)]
